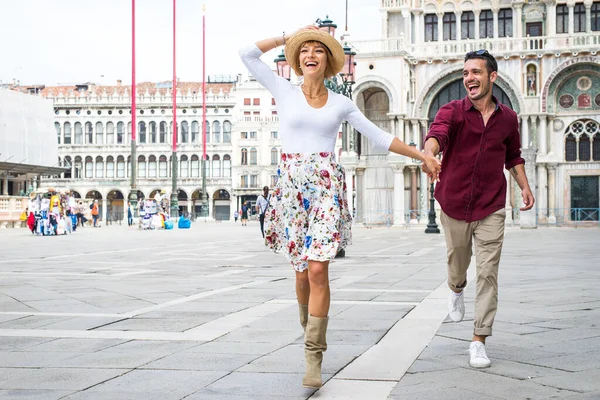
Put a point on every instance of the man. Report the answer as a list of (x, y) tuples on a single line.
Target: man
[(262, 203), (245, 214), (478, 138)]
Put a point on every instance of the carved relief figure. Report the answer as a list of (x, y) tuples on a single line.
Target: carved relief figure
[(531, 80)]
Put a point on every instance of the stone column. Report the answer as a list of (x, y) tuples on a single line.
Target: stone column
[(550, 134), (398, 194), (476, 15), (571, 7), (415, 135), (419, 27), (350, 188), (518, 20), (104, 205), (588, 17), (551, 18), (414, 195), (400, 129), (508, 206), (528, 219), (541, 199), (458, 14), (525, 131), (407, 131), (440, 21), (5, 186), (407, 30), (543, 135), (551, 193), (495, 13), (359, 195)]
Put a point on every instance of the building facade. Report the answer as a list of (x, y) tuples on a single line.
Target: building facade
[(549, 73), (93, 129)]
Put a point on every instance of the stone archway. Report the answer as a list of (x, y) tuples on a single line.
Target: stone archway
[(222, 205), (115, 206), (199, 207)]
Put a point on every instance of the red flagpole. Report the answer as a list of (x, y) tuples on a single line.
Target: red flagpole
[(174, 84), (133, 198), (204, 82)]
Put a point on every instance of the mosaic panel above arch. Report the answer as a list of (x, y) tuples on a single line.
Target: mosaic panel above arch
[(579, 91), (564, 82)]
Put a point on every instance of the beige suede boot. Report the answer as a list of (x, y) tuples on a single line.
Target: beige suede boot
[(314, 345), (303, 315)]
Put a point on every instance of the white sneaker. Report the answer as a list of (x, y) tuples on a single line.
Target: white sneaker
[(477, 356), (456, 306)]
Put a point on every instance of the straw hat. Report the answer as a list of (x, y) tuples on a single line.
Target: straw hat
[(335, 58)]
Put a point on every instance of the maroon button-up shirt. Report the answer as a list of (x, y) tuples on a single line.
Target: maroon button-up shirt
[(472, 183)]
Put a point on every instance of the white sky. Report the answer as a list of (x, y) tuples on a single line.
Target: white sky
[(73, 41)]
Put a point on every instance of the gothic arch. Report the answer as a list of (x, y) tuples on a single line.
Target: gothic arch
[(448, 76), (372, 81)]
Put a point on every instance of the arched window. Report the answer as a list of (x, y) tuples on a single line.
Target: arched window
[(207, 133), (142, 132), (584, 148), (449, 24), (216, 166), (120, 132), (163, 132), (183, 165), (68, 133), (226, 165), (152, 167), (596, 146), (570, 148), (207, 166), (244, 157), (99, 167), (226, 132), (120, 167), (78, 133), (142, 166), (486, 24), (274, 156), (431, 28), (253, 156), (195, 166), (152, 133), (195, 131), (58, 130), (467, 25), (89, 138), (162, 167), (99, 133), (217, 131), (110, 133), (185, 130), (68, 163), (89, 167), (110, 167), (579, 18), (78, 168)]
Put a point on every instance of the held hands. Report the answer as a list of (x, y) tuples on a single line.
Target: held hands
[(432, 167), (528, 199)]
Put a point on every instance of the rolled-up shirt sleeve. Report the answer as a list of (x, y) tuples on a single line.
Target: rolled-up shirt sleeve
[(442, 126), (381, 139), (513, 147)]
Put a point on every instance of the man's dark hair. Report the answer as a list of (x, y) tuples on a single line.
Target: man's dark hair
[(490, 61)]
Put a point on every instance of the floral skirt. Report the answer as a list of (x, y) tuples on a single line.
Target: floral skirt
[(308, 216)]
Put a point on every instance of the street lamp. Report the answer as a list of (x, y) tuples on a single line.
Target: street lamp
[(283, 68)]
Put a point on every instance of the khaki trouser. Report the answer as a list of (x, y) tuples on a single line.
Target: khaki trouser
[(489, 236)]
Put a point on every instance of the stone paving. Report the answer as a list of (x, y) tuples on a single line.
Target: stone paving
[(209, 313)]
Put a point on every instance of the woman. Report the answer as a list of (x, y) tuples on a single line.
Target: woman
[(309, 219)]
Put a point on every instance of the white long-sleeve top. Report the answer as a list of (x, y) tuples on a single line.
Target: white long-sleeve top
[(303, 128)]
